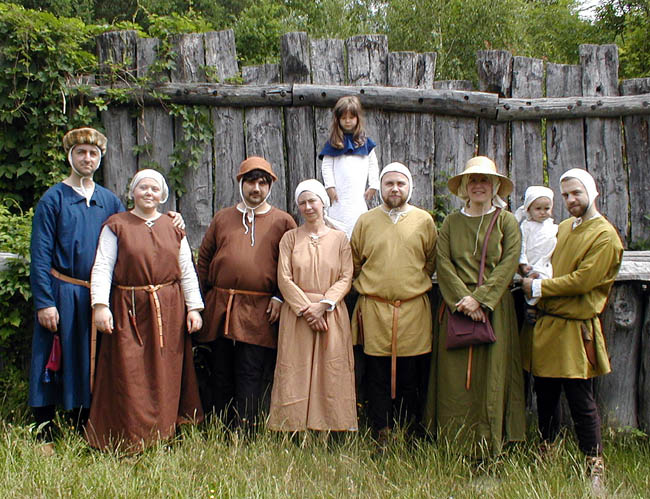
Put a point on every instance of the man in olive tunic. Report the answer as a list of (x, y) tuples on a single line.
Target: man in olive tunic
[(568, 347), (393, 249), (237, 268)]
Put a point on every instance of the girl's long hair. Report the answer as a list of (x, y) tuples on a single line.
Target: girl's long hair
[(348, 104)]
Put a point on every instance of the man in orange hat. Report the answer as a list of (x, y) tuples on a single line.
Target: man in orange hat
[(237, 269)]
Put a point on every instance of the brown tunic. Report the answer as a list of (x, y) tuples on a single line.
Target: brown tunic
[(313, 386), (142, 390), (228, 261)]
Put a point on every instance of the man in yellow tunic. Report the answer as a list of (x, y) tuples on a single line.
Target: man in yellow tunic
[(393, 248), (568, 347)]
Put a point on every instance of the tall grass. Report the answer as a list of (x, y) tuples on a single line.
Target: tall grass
[(207, 461)]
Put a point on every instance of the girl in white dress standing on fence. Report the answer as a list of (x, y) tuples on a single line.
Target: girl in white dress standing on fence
[(350, 169)]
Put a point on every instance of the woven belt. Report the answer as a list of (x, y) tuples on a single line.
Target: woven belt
[(152, 289), (93, 328), (231, 294), (393, 343)]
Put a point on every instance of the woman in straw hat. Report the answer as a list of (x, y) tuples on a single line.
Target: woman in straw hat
[(476, 394)]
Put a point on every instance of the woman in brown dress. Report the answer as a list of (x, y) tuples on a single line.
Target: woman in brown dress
[(145, 382), (313, 386)]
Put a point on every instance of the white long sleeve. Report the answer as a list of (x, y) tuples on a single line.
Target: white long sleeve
[(101, 276), (102, 272), (373, 171), (327, 169)]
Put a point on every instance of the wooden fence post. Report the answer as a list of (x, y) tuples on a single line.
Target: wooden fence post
[(565, 139), (644, 374), (228, 122), (411, 134), (637, 147), (154, 125), (196, 203), (455, 144), (117, 49), (494, 75), (527, 167), (603, 135), (264, 133), (298, 121)]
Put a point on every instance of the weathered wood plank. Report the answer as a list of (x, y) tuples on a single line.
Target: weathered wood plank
[(328, 68), (455, 138), (644, 373), (264, 131), (411, 134), (565, 145), (622, 321), (603, 136), (228, 122), (367, 65), (155, 126), (298, 121), (637, 147), (197, 201), (495, 76), (527, 165), (119, 165)]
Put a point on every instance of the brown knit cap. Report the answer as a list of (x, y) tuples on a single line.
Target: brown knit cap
[(84, 135), (255, 163)]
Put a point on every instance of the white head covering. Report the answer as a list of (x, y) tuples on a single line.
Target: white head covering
[(82, 187), (586, 179), (313, 185), (532, 193), (152, 174), (399, 168)]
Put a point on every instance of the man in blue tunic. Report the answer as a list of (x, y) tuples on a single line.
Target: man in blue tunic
[(65, 232)]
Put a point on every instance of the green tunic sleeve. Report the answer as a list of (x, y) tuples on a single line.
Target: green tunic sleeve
[(451, 286)]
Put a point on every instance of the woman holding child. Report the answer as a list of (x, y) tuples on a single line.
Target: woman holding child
[(476, 395)]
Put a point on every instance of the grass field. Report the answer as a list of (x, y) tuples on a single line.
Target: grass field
[(208, 462)]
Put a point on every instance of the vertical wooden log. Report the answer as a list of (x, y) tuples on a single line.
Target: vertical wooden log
[(644, 373), (117, 50), (411, 134), (565, 139), (622, 321), (298, 121), (264, 132), (155, 125), (367, 65), (603, 136), (328, 68), (495, 76), (527, 165), (455, 143), (196, 203), (228, 122), (637, 147)]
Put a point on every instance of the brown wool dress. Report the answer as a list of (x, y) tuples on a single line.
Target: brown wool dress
[(313, 386), (142, 389)]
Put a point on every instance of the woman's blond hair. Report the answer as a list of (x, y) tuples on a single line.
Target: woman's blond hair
[(348, 104)]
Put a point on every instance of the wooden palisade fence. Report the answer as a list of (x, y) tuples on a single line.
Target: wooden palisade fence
[(534, 119)]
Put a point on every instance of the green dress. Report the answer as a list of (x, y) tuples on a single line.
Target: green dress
[(491, 412)]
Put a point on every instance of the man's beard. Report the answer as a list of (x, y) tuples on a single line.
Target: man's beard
[(393, 203)]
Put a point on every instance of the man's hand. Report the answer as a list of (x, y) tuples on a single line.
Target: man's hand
[(48, 318), (273, 310), (194, 321), (369, 194), (103, 319), (527, 286), (177, 219), (331, 192), (524, 269)]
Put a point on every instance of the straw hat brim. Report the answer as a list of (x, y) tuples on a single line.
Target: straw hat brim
[(505, 188)]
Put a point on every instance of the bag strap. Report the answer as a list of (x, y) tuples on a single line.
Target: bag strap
[(485, 245)]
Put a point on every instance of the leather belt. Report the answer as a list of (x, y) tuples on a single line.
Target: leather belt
[(231, 294)]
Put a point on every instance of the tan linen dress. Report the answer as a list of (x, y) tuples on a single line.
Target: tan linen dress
[(143, 390), (313, 386)]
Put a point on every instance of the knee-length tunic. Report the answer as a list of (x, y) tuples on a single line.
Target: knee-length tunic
[(313, 386), (492, 411), (65, 231), (142, 389)]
